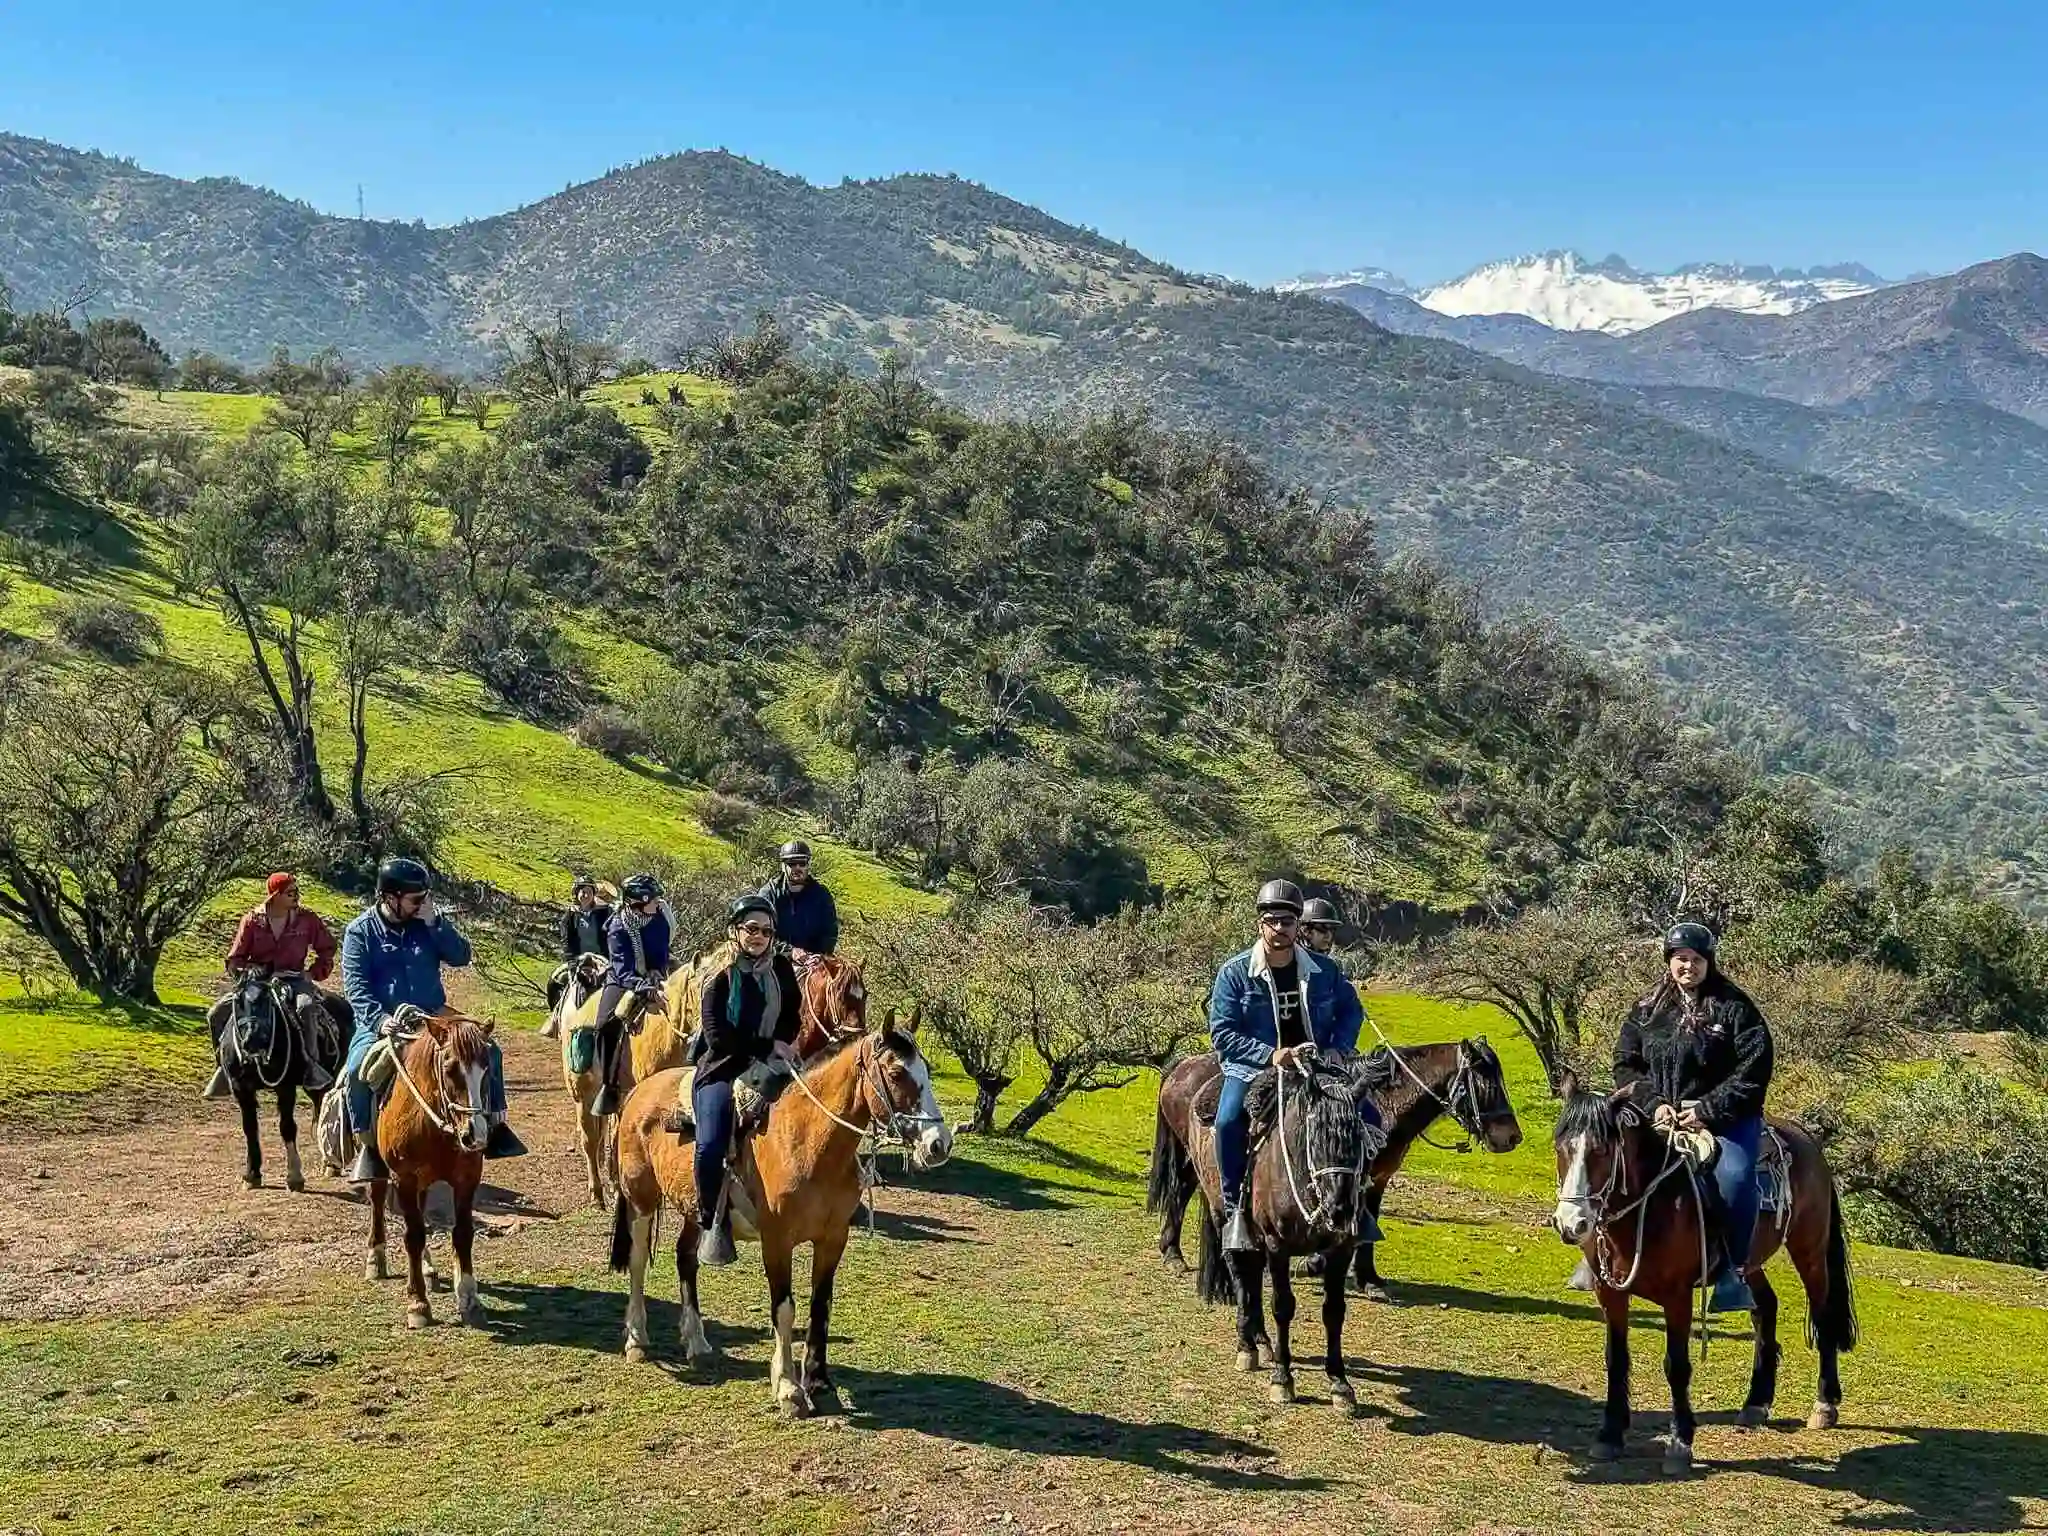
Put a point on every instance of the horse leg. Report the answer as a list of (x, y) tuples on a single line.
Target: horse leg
[(412, 1205), (468, 1308), (697, 1346), (376, 1266), (252, 1163), (1342, 1394), (1366, 1266), (1173, 1212), (1251, 1290), (288, 1133), (636, 1287), (825, 1254), (1614, 1420), (1280, 1385), (590, 1135), (1678, 1372), (790, 1396), (1763, 1370)]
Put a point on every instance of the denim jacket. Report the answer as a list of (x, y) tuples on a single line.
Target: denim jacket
[(1242, 1007), (383, 966)]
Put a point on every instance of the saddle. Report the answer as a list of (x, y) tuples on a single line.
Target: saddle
[(1261, 1101)]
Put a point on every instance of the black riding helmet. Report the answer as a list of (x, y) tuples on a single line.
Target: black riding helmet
[(746, 906), (1317, 910), (639, 888), (1697, 937), (1280, 896), (581, 884), (795, 848), (401, 877)]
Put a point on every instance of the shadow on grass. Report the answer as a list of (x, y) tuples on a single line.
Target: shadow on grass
[(917, 1227), (577, 1317), (1005, 1188), (1933, 1479), (973, 1412), (1502, 1410), (1427, 1293)]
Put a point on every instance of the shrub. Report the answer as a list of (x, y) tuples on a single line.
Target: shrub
[(727, 817), (608, 729), (520, 655), (704, 724), (109, 630), (1953, 1160)]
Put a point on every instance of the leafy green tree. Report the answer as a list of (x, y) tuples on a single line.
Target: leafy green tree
[(213, 375), (394, 400), (119, 351), (314, 398)]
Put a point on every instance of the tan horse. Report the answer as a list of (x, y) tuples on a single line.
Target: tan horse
[(656, 1044), (802, 1177), (432, 1129)]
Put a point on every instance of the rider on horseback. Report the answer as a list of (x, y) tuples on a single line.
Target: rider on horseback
[(637, 941), (748, 1016), (806, 918), (280, 934), (1268, 1005), (585, 921), (391, 957), (1696, 1054)]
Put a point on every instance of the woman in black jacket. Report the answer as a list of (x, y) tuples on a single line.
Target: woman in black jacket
[(1697, 1053), (747, 1012)]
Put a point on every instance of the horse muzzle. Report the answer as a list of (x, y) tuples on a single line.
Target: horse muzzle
[(932, 1147), (1573, 1223)]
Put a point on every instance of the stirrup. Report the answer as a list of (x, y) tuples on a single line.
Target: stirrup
[(606, 1102), (502, 1142), (1237, 1232), (220, 1087), (368, 1166), (714, 1245)]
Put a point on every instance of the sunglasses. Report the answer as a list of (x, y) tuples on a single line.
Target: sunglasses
[(758, 930), (1279, 919), (796, 863)]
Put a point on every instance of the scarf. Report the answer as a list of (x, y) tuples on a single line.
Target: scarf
[(763, 971), (634, 922)]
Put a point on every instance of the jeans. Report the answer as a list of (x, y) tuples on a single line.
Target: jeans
[(362, 1098), (1234, 1133), (711, 1106), (1735, 1177)]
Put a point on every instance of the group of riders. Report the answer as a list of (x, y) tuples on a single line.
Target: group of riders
[(1694, 1054)]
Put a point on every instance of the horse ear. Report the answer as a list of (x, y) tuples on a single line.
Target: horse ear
[(916, 1018), (485, 1026), (1568, 1084), (888, 1021)]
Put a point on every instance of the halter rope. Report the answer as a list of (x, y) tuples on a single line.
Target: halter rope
[(445, 1127), (1675, 1161), (1460, 1081)]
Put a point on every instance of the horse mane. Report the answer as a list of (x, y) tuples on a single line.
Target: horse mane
[(1591, 1115), (466, 1038)]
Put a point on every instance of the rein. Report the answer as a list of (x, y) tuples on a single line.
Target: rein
[(1461, 1089), (867, 1154), (1356, 1171), (453, 1110), (1675, 1161)]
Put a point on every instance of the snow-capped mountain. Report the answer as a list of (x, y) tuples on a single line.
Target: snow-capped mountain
[(1564, 291), (1359, 277)]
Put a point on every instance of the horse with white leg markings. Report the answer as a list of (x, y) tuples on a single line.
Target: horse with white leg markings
[(654, 1044), (262, 1048), (432, 1129), (802, 1177)]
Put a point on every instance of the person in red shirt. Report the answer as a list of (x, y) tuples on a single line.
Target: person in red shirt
[(292, 941)]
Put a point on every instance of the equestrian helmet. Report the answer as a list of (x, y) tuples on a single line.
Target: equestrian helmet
[(639, 888), (795, 848), (1280, 896), (401, 877), (1697, 937), (581, 884), (746, 906), (1318, 909)]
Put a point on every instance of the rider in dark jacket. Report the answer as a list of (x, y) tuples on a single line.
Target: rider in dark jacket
[(806, 918), (1697, 1053), (585, 921), (636, 941)]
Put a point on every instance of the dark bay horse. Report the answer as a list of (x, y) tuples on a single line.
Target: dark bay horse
[(431, 1129), (1414, 1086), (801, 1175), (260, 1049), (1626, 1199), (1303, 1199)]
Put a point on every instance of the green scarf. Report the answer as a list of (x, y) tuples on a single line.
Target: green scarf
[(763, 971)]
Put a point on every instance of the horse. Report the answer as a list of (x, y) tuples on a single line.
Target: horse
[(655, 1044), (431, 1128), (832, 1001), (1414, 1086), (801, 1175), (1303, 1198), (1628, 1200), (260, 1049)]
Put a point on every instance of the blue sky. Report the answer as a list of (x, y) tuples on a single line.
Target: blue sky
[(1254, 140)]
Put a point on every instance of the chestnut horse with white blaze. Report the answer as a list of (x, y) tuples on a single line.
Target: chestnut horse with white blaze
[(1626, 1199), (801, 1174), (432, 1129)]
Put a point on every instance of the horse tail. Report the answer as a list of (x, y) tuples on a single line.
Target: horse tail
[(1835, 1323), (1170, 1168), (1213, 1279), (622, 1235)]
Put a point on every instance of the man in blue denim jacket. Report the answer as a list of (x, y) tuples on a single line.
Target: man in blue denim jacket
[(1267, 1005), (390, 956)]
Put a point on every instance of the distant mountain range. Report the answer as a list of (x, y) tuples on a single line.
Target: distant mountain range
[(1566, 292), (1883, 629)]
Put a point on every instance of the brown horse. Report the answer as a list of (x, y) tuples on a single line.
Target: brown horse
[(801, 1175), (655, 1044), (432, 1129), (1626, 1197), (833, 1005), (1303, 1198)]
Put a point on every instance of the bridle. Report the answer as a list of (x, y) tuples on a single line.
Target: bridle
[(451, 1112), (1675, 1162), (1366, 1151), (1461, 1103), (281, 1023), (902, 1124)]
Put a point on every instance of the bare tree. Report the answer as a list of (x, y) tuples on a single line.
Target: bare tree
[(313, 398), (555, 364)]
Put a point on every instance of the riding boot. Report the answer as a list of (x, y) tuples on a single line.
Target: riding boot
[(219, 1087), (502, 1142), (714, 1246), (1731, 1292), (368, 1166), (609, 1043)]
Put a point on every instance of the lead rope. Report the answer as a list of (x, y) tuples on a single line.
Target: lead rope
[(1444, 1105), (1674, 1161), (866, 1152)]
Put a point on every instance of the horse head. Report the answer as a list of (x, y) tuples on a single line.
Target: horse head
[(1598, 1143), (458, 1050), (256, 1012), (835, 1004), (1319, 1124), (903, 1078), (1479, 1097)]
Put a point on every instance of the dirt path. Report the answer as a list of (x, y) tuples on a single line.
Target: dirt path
[(153, 1217)]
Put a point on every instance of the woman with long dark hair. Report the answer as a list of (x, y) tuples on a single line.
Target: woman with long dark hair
[(1695, 1053)]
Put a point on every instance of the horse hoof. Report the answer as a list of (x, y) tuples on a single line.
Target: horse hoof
[(636, 1354), (1604, 1450), (1266, 1356), (252, 1181), (1280, 1392), (1175, 1264), (418, 1317), (374, 1267), (1753, 1416), (296, 1183), (1247, 1360), (1677, 1459), (1378, 1293), (795, 1406), (1824, 1416), (1343, 1395)]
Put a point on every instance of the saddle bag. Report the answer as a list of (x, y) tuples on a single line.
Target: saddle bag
[(379, 1065), (582, 1049)]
